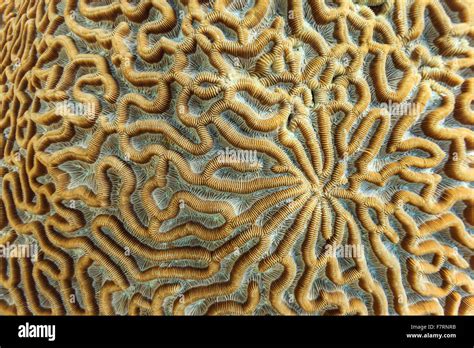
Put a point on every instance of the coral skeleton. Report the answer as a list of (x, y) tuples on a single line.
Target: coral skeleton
[(237, 157)]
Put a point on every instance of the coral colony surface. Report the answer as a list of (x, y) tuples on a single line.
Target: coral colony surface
[(189, 157)]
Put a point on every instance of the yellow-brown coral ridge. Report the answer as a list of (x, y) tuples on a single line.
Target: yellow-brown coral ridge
[(122, 127)]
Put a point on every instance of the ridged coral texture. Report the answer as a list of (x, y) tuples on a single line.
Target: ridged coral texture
[(243, 157)]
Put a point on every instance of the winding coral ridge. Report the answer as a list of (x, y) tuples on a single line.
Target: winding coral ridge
[(134, 211)]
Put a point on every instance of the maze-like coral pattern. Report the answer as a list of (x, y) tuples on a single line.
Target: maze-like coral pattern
[(115, 116)]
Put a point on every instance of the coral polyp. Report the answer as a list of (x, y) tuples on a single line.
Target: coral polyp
[(189, 157)]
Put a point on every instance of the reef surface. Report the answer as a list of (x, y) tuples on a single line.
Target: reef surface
[(237, 157)]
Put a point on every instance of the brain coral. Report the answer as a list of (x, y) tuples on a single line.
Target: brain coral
[(237, 157)]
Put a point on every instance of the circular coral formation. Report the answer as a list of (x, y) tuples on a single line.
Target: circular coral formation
[(202, 157)]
